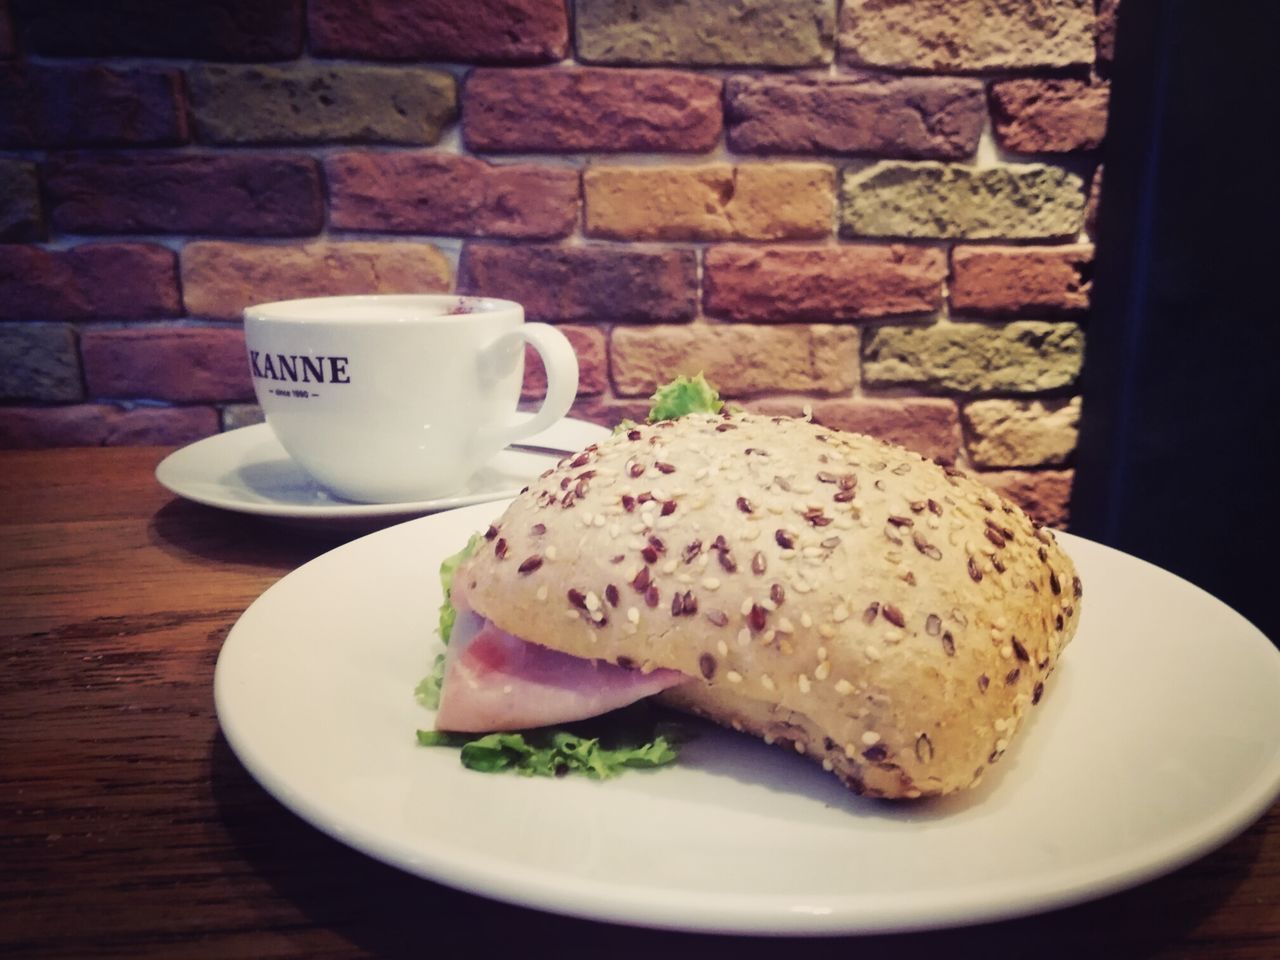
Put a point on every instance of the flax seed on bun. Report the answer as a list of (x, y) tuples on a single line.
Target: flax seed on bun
[(888, 617)]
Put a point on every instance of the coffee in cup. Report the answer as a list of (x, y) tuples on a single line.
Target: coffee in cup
[(398, 398)]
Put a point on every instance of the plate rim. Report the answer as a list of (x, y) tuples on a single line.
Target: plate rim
[(760, 914), (241, 437)]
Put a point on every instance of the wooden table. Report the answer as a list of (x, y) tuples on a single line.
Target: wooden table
[(129, 829)]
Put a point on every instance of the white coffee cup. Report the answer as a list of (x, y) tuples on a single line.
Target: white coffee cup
[(395, 399)]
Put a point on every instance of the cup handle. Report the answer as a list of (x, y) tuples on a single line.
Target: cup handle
[(561, 364)]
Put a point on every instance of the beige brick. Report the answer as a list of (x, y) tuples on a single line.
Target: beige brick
[(21, 217), (757, 201), (40, 363), (738, 359), (942, 200), (967, 34), (1044, 494), (1022, 433), (305, 103), (220, 279), (1026, 356), (782, 33)]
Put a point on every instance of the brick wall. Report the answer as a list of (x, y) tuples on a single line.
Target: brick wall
[(879, 209)]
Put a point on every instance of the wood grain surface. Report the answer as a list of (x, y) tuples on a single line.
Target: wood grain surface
[(129, 829)]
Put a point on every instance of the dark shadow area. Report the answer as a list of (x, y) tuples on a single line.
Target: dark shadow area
[(1179, 446), (384, 912), (221, 536)]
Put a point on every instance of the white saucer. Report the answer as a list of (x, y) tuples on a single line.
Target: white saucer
[(246, 470)]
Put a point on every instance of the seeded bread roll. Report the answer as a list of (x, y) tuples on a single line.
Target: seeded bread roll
[(888, 617)]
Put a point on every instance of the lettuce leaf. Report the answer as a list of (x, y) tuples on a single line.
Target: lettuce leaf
[(447, 569), (682, 396), (428, 689), (599, 748)]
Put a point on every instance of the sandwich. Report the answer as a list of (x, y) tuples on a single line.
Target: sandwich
[(888, 617)]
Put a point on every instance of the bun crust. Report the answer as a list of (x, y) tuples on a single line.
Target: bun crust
[(888, 617)]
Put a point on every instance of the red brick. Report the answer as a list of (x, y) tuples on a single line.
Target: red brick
[(482, 31), (593, 364), (849, 282), (92, 281), (220, 279), (231, 194), (89, 106), (590, 108), (938, 117), (929, 426), (21, 215), (1044, 494), (1008, 280), (100, 424), (739, 359), (203, 29), (1040, 115), (585, 283), (438, 193), (179, 364)]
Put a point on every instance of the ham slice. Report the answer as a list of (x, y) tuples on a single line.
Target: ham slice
[(495, 681)]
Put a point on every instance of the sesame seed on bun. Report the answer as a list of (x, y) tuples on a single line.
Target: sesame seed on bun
[(891, 618)]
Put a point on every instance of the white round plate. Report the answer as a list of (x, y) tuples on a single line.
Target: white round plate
[(246, 470), (1157, 740)]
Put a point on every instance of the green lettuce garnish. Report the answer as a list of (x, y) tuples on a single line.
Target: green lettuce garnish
[(682, 396), (599, 748), (447, 569), (428, 689)]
